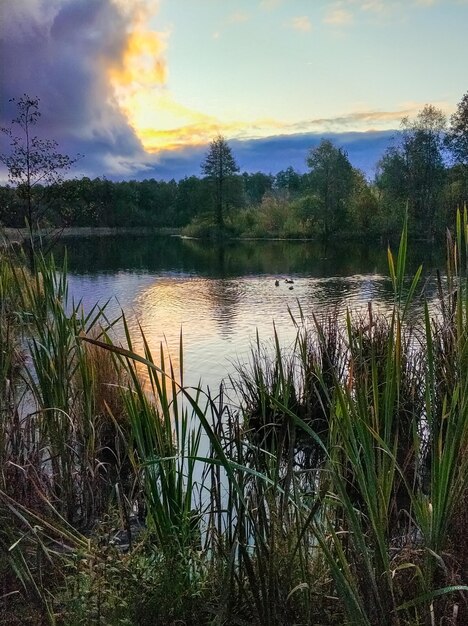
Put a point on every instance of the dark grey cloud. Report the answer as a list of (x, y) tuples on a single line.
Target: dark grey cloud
[(273, 154), (60, 51)]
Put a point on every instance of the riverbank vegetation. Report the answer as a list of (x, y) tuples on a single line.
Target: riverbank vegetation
[(323, 484), (424, 172)]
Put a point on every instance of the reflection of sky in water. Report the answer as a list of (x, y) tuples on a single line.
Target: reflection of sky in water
[(219, 295), (219, 316)]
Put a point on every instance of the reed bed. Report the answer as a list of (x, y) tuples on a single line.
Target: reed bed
[(324, 484)]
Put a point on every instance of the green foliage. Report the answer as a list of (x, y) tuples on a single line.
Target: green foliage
[(256, 186), (364, 210), (457, 136), (331, 181), (288, 180), (332, 200), (414, 172), (219, 167), (105, 587)]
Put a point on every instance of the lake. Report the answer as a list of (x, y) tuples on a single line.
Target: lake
[(220, 295)]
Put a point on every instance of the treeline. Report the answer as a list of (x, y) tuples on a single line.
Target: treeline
[(424, 173), (101, 202)]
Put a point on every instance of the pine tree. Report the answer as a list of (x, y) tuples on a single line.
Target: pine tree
[(219, 167)]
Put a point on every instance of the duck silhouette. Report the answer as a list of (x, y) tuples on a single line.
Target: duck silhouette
[(276, 283)]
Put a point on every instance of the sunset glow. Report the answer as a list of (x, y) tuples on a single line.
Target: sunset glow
[(132, 82), (148, 88)]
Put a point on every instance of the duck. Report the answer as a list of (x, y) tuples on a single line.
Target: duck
[(276, 283), (288, 280)]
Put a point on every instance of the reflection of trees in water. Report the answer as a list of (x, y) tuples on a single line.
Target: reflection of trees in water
[(236, 258), (158, 253), (224, 296), (325, 296), (283, 258), (122, 252)]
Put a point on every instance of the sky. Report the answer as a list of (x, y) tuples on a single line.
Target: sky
[(140, 87)]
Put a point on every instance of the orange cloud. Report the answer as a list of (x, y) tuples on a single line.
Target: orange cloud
[(140, 73), (199, 129), (142, 62)]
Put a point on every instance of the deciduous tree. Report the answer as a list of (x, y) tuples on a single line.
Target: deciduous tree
[(331, 182), (256, 186), (457, 136), (288, 180), (33, 163), (457, 142), (413, 172)]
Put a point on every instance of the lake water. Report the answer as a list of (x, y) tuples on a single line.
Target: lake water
[(220, 295)]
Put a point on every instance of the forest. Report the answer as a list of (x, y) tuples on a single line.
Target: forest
[(424, 173)]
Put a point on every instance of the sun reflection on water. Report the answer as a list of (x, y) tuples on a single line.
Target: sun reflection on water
[(218, 318)]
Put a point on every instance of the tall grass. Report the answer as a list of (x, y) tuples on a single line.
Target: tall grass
[(50, 429), (324, 487)]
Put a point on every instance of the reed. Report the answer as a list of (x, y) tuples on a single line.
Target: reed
[(323, 487), (50, 466)]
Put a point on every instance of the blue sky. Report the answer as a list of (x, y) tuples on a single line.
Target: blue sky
[(140, 87), (307, 65)]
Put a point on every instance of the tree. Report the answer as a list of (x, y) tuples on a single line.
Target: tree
[(331, 182), (33, 163), (364, 208), (414, 171), (256, 185), (288, 179), (392, 186), (457, 142), (220, 167), (193, 195), (457, 136)]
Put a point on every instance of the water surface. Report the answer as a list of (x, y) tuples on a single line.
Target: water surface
[(220, 295)]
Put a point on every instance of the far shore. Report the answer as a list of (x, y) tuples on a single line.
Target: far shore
[(17, 235)]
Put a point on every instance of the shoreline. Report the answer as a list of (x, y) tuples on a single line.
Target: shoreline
[(18, 235)]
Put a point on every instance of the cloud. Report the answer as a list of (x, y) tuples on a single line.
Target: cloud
[(238, 17), (375, 6), (275, 153), (301, 23), (186, 127), (356, 119), (338, 17), (78, 57), (270, 4)]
